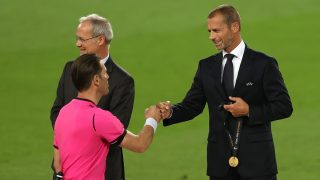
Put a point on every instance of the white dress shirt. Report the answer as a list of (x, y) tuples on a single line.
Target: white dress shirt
[(236, 61)]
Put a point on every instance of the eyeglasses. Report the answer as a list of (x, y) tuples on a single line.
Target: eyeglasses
[(84, 40)]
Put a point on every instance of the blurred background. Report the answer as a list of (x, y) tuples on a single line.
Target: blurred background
[(160, 44)]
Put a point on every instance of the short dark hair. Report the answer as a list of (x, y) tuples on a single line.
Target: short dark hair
[(229, 13), (83, 69)]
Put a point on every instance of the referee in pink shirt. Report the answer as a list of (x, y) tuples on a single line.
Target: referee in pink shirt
[(83, 132)]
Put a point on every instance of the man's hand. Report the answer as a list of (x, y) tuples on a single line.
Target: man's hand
[(165, 109), (153, 112), (239, 108)]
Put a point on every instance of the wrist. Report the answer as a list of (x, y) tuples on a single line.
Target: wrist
[(59, 176), (151, 122)]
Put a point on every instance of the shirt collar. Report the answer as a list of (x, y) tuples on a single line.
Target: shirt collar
[(104, 60), (85, 100), (238, 51)]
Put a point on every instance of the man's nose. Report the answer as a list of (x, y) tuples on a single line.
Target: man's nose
[(78, 43), (212, 35)]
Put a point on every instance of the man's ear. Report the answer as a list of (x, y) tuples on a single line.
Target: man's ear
[(235, 27), (96, 80), (102, 40)]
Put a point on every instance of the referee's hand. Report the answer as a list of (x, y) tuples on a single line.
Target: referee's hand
[(153, 112)]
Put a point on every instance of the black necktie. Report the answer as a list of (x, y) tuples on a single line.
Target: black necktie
[(227, 80), (227, 83)]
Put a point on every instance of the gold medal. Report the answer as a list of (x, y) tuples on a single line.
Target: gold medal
[(233, 161)]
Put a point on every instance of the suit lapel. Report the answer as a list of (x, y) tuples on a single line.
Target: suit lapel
[(109, 65), (244, 71), (217, 70)]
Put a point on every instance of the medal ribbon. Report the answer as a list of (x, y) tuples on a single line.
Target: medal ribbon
[(235, 143)]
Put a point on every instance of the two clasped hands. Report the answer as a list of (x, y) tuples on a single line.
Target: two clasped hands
[(163, 110)]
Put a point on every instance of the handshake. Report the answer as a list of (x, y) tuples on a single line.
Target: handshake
[(160, 111)]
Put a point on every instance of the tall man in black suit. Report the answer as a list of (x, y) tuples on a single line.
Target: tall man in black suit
[(94, 34), (245, 92)]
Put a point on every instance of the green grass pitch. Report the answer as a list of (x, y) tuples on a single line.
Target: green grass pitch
[(160, 44)]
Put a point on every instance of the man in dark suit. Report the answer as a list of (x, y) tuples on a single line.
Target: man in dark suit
[(94, 35), (245, 92)]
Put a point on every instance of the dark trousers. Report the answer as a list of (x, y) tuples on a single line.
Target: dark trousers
[(115, 164), (234, 175)]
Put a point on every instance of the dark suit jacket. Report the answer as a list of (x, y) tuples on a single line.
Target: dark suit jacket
[(260, 84), (119, 101)]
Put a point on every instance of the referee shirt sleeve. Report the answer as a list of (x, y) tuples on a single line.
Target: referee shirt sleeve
[(109, 127), (119, 139)]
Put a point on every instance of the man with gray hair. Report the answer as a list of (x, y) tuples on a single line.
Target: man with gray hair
[(93, 36)]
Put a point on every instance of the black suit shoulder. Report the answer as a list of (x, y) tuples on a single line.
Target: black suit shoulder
[(117, 71), (68, 64), (257, 53), (122, 74), (212, 58), (259, 56)]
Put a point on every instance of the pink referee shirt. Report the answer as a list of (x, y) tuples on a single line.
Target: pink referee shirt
[(82, 134)]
